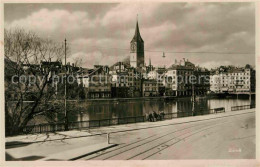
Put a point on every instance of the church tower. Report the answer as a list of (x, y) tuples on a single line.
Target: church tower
[(137, 49)]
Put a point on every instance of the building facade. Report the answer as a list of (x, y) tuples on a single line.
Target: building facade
[(234, 81), (99, 83), (119, 85), (134, 82), (202, 85), (177, 81), (150, 88)]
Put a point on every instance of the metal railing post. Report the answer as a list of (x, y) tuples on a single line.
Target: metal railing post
[(108, 140)]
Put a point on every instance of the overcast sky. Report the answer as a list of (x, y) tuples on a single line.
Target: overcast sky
[(93, 30)]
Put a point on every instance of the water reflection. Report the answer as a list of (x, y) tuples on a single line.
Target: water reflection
[(110, 109)]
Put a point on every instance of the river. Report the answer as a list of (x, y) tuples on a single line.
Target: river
[(97, 110)]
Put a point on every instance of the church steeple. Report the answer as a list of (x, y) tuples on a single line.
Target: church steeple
[(137, 37), (137, 49)]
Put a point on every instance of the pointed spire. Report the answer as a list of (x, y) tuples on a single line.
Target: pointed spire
[(149, 61), (137, 36)]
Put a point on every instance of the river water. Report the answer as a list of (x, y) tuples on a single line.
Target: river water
[(97, 110)]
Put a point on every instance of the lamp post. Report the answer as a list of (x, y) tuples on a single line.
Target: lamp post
[(65, 91)]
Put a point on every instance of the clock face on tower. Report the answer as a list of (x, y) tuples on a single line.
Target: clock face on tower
[(133, 47)]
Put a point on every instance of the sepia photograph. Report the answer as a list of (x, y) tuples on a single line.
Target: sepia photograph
[(129, 81)]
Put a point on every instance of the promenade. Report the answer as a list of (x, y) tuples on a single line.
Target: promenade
[(215, 136)]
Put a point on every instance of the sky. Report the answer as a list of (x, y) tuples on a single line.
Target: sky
[(101, 33)]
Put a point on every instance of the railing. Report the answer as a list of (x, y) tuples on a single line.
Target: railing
[(244, 107), (43, 128), (53, 127)]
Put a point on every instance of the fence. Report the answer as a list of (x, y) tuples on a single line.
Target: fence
[(43, 128), (244, 107)]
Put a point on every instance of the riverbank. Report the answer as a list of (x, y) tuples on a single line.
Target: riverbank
[(42, 146)]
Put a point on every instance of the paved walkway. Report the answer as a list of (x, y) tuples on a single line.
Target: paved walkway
[(230, 137), (52, 145)]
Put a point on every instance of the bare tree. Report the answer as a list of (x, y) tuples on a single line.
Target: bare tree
[(78, 61), (24, 54)]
